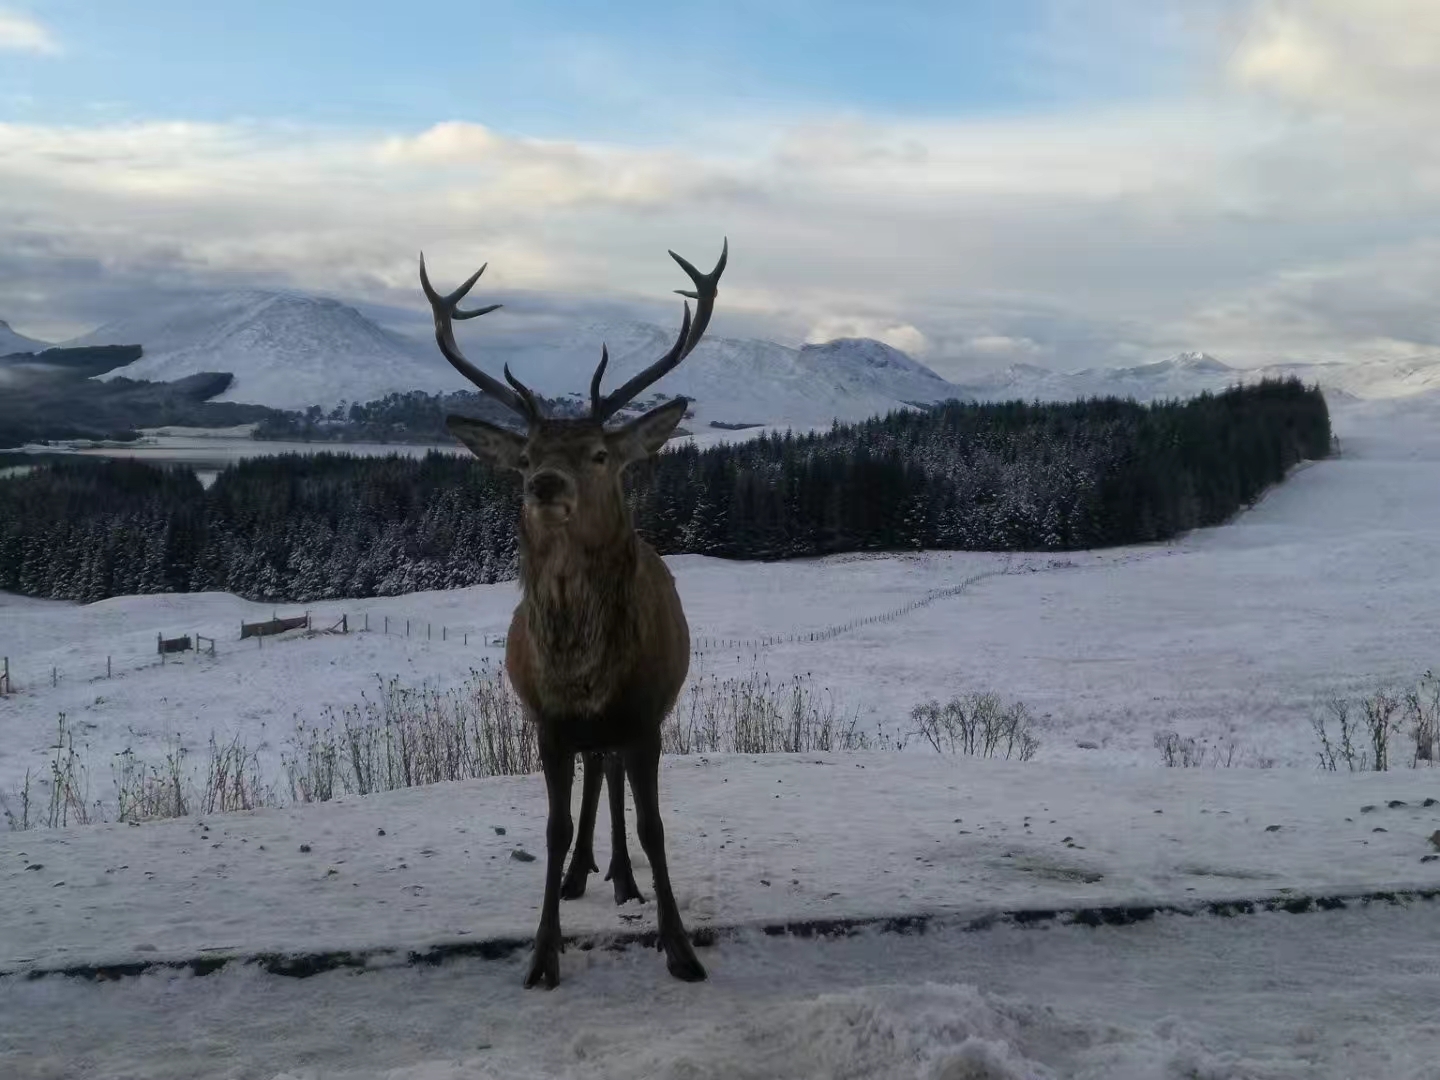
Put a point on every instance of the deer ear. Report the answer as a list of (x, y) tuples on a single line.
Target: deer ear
[(488, 442), (645, 435)]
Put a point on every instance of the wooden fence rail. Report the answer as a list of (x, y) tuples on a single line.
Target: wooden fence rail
[(274, 626)]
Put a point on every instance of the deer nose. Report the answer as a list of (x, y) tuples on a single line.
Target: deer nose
[(546, 486)]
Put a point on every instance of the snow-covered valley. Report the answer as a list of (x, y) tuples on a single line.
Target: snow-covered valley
[(1235, 635)]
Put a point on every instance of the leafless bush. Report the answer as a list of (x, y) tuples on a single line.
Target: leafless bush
[(752, 715), (1360, 739), (16, 820), (978, 725), (1178, 752), (1188, 752), (69, 782), (232, 780), (1422, 712), (408, 736), (146, 791)]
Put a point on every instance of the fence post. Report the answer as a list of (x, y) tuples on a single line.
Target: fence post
[(54, 677), (107, 667), (367, 622), (344, 623), (387, 624), (407, 627), (428, 634), (467, 638)]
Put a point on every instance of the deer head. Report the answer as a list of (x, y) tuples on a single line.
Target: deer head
[(572, 467)]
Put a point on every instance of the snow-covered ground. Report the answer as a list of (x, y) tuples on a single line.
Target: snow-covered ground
[(1238, 633), (1235, 634), (756, 842)]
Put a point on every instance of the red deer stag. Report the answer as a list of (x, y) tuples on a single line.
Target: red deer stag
[(598, 646)]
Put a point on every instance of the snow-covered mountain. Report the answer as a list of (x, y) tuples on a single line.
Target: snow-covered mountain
[(1190, 373), (731, 381), (1183, 375), (290, 350), (286, 350), (11, 342)]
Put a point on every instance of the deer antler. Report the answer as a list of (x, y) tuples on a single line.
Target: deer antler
[(445, 308), (602, 408)]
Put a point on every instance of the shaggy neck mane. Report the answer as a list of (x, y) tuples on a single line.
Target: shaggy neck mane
[(580, 608)]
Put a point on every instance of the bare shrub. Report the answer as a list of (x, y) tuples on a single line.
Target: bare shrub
[(1338, 745), (1188, 752), (69, 782), (752, 715), (232, 780), (1359, 738), (1177, 752), (408, 736), (176, 787), (21, 819), (146, 791), (979, 725), (1422, 713)]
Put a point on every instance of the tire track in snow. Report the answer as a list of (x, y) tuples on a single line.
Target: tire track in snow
[(304, 965)]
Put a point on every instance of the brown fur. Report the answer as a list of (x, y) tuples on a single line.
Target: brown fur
[(598, 646), (597, 652)]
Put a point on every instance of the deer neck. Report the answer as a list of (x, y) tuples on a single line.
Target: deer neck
[(581, 612)]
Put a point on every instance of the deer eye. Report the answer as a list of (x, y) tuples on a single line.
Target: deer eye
[(600, 457), (524, 461)]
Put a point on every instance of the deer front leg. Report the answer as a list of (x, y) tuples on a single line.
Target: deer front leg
[(582, 862), (559, 766), (620, 872), (642, 764)]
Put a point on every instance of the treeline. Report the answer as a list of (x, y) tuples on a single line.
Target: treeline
[(1010, 476), (411, 417), (414, 417)]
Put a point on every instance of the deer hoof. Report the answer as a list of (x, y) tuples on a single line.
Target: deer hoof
[(573, 887), (625, 887), (681, 961), (544, 971), (545, 967)]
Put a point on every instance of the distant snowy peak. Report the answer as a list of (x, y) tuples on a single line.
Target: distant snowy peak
[(12, 342), (290, 350), (287, 350), (730, 381), (865, 367), (1190, 362)]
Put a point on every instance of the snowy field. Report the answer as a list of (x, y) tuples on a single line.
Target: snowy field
[(1235, 634)]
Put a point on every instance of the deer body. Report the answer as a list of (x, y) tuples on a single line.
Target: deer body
[(598, 646), (599, 638)]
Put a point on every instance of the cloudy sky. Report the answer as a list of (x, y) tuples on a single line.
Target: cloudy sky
[(1060, 182)]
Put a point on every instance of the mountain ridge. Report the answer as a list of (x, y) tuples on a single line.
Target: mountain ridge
[(12, 341), (288, 349)]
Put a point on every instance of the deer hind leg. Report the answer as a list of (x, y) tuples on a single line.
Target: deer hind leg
[(582, 862), (559, 766), (642, 764), (620, 872)]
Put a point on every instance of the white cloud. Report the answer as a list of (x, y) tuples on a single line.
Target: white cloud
[(1217, 221), (900, 336), (1379, 58), (21, 33)]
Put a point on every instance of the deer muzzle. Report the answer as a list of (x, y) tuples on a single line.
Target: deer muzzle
[(550, 495)]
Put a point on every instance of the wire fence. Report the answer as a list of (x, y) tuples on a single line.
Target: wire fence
[(171, 650), (829, 633), (309, 624)]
